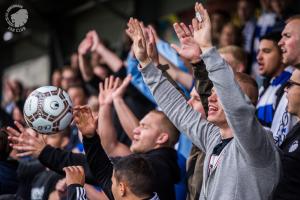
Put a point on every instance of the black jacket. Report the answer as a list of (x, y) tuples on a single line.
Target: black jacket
[(99, 168), (56, 159), (289, 184), (76, 192), (164, 162)]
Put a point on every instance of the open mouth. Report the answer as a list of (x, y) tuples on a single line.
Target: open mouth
[(212, 109), (283, 50)]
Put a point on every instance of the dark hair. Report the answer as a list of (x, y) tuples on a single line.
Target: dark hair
[(5, 149), (274, 36), (137, 172)]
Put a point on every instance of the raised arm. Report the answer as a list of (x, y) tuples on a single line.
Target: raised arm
[(106, 129), (127, 118), (84, 47), (168, 98), (99, 163), (253, 140)]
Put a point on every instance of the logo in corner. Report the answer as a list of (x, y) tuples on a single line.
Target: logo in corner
[(16, 16)]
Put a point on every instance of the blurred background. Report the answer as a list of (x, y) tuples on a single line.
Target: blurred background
[(55, 28)]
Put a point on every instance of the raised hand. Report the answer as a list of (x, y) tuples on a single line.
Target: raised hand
[(85, 46), (189, 49), (24, 142), (106, 90), (85, 121), (139, 47), (121, 89), (151, 44), (202, 29), (93, 36), (74, 175)]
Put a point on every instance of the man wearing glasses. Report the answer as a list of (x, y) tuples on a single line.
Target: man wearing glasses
[(288, 187)]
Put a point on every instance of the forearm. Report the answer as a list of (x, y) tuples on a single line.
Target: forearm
[(106, 129), (110, 58), (85, 68), (56, 159), (99, 163), (251, 137), (127, 118)]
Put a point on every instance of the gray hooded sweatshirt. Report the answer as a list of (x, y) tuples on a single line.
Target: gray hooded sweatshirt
[(248, 168)]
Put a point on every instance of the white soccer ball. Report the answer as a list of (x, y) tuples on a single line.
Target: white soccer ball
[(48, 110)]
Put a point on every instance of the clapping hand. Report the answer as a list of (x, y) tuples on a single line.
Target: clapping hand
[(144, 50)]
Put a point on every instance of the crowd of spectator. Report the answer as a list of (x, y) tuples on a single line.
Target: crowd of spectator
[(213, 117)]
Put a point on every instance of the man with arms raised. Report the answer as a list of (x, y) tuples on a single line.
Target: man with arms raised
[(241, 161)]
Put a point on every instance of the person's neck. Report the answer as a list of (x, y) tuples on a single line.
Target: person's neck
[(279, 71), (226, 132)]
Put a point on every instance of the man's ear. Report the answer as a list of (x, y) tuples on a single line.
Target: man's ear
[(163, 138), (122, 189)]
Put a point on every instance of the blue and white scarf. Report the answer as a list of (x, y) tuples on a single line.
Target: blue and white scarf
[(268, 98)]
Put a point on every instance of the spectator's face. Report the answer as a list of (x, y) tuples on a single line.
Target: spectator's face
[(195, 101), (293, 94), (74, 61), (244, 10), (119, 189), (290, 43), (77, 96), (217, 22), (56, 79), (277, 6), (68, 78), (216, 113), (269, 58), (227, 36), (146, 135)]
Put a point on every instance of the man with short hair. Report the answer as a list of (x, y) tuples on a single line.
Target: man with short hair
[(154, 139), (242, 161), (271, 107), (288, 187), (132, 178)]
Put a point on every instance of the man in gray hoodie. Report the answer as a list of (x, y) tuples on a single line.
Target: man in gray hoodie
[(242, 161)]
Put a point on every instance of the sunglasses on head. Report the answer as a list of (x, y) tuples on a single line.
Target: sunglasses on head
[(290, 83)]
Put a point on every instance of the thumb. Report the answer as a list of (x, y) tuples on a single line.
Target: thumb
[(177, 48)]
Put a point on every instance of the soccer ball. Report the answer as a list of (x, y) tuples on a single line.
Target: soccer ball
[(48, 110)]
